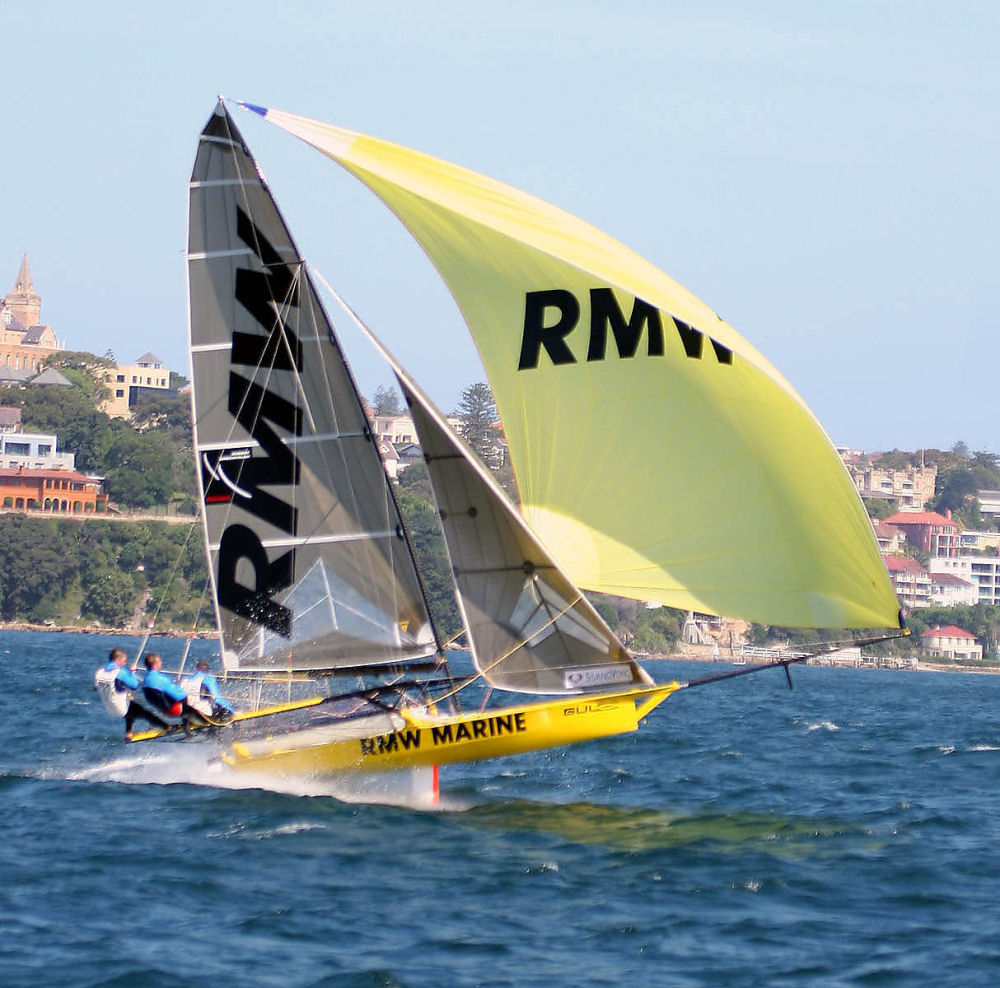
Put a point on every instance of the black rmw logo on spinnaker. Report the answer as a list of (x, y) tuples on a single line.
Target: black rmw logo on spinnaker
[(241, 476), (552, 315)]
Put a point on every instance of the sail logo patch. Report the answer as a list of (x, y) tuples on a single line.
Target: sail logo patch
[(551, 316), (576, 679), (216, 467), (259, 479)]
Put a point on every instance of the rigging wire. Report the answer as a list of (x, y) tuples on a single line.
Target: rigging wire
[(159, 606)]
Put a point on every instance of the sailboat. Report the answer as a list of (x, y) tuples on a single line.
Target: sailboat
[(609, 377)]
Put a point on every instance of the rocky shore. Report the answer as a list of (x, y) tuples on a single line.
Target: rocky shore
[(93, 629)]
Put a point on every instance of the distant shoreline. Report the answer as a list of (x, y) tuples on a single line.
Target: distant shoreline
[(686, 653), (74, 629), (703, 653)]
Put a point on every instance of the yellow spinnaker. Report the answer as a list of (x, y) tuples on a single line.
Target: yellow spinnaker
[(658, 455)]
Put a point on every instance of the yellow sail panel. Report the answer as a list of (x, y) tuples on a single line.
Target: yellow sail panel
[(658, 455)]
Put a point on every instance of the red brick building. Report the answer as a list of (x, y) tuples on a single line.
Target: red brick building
[(58, 491), (934, 534)]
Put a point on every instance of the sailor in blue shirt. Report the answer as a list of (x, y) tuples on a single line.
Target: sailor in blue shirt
[(204, 695), (165, 695), (115, 683)]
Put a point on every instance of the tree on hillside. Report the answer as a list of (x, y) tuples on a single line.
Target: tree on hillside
[(110, 597), (38, 567), (386, 401), (139, 467), (424, 530), (478, 413), (85, 370), (985, 468), (896, 459), (164, 410), (607, 612), (956, 487), (71, 415), (416, 480), (658, 630), (879, 508)]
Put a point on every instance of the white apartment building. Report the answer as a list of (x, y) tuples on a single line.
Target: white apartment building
[(33, 451), (949, 590), (983, 572)]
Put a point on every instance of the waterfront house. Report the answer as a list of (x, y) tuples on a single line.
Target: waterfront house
[(951, 642)]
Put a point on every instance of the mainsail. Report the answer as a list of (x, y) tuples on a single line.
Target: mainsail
[(658, 455), (309, 561)]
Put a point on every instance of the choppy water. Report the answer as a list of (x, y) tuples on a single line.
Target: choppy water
[(845, 833)]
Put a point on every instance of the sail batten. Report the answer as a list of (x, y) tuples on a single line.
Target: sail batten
[(222, 182), (657, 453), (309, 566), (322, 539)]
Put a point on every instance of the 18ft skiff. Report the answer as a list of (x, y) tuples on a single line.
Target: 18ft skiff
[(611, 381)]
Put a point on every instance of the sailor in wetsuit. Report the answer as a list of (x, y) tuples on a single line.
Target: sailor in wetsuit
[(204, 695), (165, 695), (114, 684)]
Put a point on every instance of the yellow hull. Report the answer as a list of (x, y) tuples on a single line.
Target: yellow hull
[(412, 738)]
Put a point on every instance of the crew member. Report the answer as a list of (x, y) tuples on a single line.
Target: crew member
[(204, 695), (165, 695), (114, 684)]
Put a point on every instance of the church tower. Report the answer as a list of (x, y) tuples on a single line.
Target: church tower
[(22, 300)]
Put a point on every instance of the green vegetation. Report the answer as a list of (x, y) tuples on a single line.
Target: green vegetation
[(478, 414), (420, 516), (74, 572), (657, 630), (879, 508), (386, 401)]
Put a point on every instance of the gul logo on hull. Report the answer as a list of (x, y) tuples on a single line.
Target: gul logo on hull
[(550, 316), (240, 476)]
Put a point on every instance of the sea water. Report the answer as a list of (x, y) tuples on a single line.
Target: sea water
[(843, 833)]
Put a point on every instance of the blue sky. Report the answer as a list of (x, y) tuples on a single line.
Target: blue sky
[(824, 175)]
